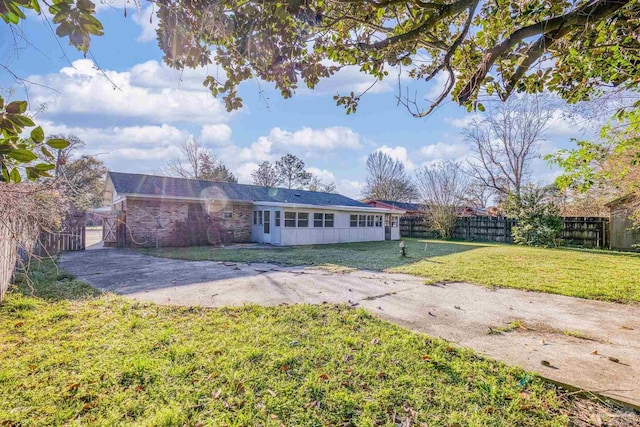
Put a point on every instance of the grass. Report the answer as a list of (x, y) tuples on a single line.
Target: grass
[(104, 360), (592, 274)]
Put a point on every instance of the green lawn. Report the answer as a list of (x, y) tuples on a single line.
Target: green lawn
[(110, 361), (593, 274)]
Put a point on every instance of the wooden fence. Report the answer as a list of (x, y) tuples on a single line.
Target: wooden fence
[(70, 237), (592, 232)]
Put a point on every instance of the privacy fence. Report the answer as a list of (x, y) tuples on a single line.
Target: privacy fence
[(589, 232)]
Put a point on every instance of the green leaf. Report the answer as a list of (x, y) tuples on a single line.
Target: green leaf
[(58, 143), (15, 175), (45, 166), (37, 135), (46, 152), (17, 107), (23, 156)]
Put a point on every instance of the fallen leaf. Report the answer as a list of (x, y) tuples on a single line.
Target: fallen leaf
[(314, 404), (215, 395), (324, 377), (628, 328), (88, 406), (284, 368), (425, 357), (374, 341), (381, 375), (73, 386), (594, 352), (17, 325), (457, 307), (140, 388), (545, 363), (614, 359)]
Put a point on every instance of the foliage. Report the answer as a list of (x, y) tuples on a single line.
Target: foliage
[(316, 184), (19, 156), (539, 221), (26, 209), (291, 171), (569, 48), (592, 274), (266, 175), (388, 180), (611, 163), (443, 188), (217, 172)]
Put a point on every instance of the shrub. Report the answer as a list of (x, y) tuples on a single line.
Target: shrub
[(539, 221)]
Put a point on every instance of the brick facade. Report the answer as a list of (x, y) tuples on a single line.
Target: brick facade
[(152, 222)]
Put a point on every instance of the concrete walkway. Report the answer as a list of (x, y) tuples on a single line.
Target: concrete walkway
[(591, 345)]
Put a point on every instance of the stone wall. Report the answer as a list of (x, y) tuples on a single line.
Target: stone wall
[(181, 223)]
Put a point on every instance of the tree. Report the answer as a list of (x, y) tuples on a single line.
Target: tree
[(443, 187), (316, 184), (539, 221), (266, 175), (387, 179), (80, 177), (504, 143), (291, 171), (572, 48), (198, 162)]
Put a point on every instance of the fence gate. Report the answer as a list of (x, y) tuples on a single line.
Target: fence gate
[(110, 229)]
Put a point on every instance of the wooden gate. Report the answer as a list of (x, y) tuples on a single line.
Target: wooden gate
[(113, 229), (70, 237)]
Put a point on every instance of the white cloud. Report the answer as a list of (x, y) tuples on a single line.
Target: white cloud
[(326, 139), (398, 153), (442, 150), (325, 175), (350, 188), (215, 134), (436, 86), (148, 22), (140, 95)]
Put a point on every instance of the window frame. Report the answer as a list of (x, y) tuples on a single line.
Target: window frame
[(306, 221), (227, 214), (353, 221), (378, 221), (318, 218), (369, 220), (276, 219), (294, 219), (362, 221), (326, 220), (255, 217)]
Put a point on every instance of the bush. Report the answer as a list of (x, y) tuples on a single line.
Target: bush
[(539, 221)]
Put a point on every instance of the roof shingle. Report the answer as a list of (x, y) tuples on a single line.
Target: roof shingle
[(162, 186)]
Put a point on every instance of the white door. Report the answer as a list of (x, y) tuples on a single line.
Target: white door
[(266, 224)]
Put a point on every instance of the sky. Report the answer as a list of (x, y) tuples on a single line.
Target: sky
[(133, 111)]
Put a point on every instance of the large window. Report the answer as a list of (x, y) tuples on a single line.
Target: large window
[(394, 221), (369, 220), (277, 213), (353, 221), (378, 220), (317, 220), (303, 219), (362, 220), (328, 220), (289, 219)]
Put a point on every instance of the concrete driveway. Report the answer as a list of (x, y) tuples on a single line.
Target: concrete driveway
[(590, 345)]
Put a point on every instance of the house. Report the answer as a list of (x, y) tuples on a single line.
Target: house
[(410, 209), (149, 211), (624, 233)]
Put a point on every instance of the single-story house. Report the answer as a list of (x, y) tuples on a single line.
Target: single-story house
[(411, 209), (148, 210), (624, 232)]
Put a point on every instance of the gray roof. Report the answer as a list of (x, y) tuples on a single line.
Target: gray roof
[(403, 205), (162, 186)]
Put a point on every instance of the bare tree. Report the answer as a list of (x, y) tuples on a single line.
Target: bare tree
[(443, 187), (291, 171), (266, 175), (387, 179), (316, 184), (198, 162), (505, 142), (479, 195)]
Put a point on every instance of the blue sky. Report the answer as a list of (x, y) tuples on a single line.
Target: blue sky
[(134, 112)]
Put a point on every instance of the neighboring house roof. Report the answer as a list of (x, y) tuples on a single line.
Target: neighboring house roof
[(619, 200), (400, 205), (168, 187)]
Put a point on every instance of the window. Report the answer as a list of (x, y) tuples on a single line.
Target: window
[(317, 219), (378, 220), (369, 220), (255, 217), (362, 220), (394, 221), (289, 219), (303, 219), (328, 220), (227, 215), (259, 217), (353, 221), (277, 218), (267, 222)]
